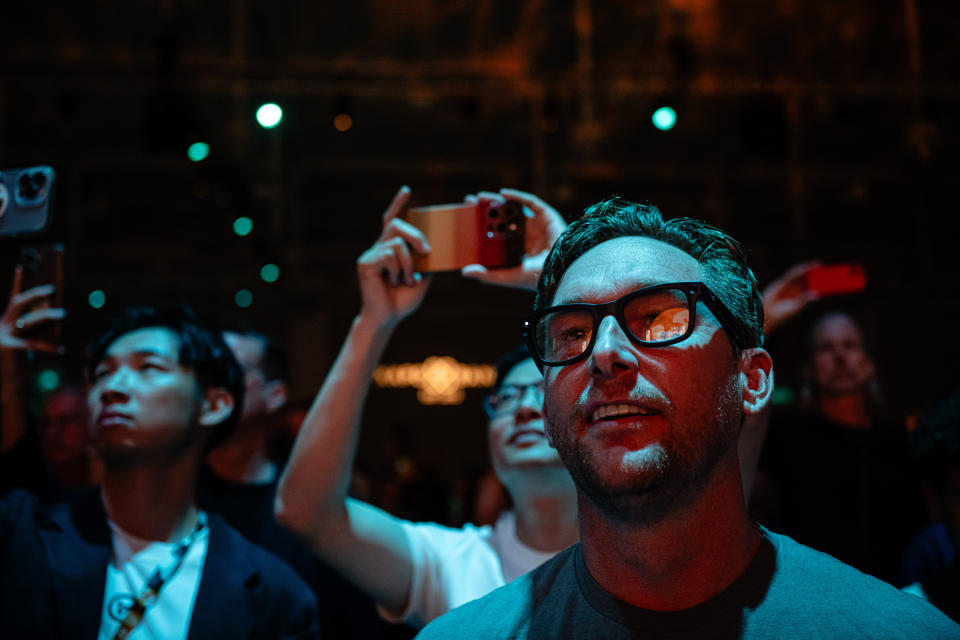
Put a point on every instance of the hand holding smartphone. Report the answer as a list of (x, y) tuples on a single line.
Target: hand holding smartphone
[(33, 316), (485, 232)]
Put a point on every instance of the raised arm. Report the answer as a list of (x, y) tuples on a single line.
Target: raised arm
[(363, 542), (15, 325)]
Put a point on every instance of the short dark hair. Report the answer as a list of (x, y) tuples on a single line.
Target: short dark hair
[(201, 348), (935, 441), (508, 361), (723, 258), (274, 362)]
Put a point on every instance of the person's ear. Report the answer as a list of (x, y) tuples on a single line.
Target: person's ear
[(217, 406), (756, 380), (277, 393)]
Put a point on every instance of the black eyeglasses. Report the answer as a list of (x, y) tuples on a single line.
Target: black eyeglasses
[(655, 316), (509, 396)]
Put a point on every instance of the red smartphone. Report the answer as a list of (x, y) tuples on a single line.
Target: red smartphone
[(469, 233), (837, 279), (44, 265), (26, 196)]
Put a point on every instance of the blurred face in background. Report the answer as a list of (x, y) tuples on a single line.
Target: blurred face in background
[(64, 425), (517, 437), (841, 365), (262, 398)]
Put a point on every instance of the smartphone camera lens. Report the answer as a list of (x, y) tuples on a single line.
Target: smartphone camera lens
[(511, 210), (30, 185), (493, 213)]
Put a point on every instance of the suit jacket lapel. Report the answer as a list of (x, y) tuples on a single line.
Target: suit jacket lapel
[(77, 541), (228, 600)]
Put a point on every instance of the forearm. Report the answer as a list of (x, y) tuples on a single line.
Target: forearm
[(315, 482), (13, 403)]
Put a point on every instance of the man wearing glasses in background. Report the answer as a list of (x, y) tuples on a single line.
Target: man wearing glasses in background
[(418, 571), (649, 336)]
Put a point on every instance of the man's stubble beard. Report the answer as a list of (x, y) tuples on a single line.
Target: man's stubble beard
[(675, 473)]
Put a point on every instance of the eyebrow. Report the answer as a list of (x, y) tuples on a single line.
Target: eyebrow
[(143, 353)]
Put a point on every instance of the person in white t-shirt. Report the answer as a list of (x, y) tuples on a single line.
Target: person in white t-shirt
[(417, 572)]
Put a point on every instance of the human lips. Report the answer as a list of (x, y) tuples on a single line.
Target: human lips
[(616, 410), (108, 418), (527, 434)]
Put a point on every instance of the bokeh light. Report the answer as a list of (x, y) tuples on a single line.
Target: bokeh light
[(269, 272), (242, 226), (664, 118), (269, 115), (97, 299)]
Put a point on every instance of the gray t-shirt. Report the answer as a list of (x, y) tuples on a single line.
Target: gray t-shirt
[(787, 591)]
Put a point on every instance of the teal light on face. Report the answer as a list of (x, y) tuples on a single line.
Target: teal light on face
[(664, 118), (48, 380), (269, 115), (269, 272), (243, 298), (198, 151), (242, 226), (97, 299)]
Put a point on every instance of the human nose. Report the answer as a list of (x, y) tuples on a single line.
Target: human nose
[(612, 352), (115, 386), (531, 398)]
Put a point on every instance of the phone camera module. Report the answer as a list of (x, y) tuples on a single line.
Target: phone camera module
[(511, 210), (30, 186)]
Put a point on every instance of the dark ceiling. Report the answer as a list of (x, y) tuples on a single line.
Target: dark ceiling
[(810, 129)]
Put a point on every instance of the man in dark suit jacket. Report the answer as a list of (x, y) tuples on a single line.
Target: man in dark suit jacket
[(138, 556)]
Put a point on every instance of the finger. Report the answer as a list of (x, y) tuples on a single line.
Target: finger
[(413, 236), (44, 346), (531, 201), (798, 270), (399, 201), (495, 199), (389, 268), (17, 280), (33, 319), (375, 259), (31, 296), (470, 199), (402, 253)]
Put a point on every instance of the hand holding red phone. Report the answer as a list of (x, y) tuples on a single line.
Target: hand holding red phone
[(390, 287), (803, 283), (543, 226)]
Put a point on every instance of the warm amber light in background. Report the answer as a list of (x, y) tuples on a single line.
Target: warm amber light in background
[(342, 121), (438, 379)]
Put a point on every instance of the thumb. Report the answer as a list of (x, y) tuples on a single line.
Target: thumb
[(491, 276)]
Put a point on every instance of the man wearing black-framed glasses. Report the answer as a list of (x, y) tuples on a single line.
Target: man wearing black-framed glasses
[(649, 336)]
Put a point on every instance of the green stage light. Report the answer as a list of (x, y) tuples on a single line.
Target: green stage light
[(198, 151), (269, 272), (664, 118), (48, 380), (269, 115), (97, 299), (242, 226), (243, 298)]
